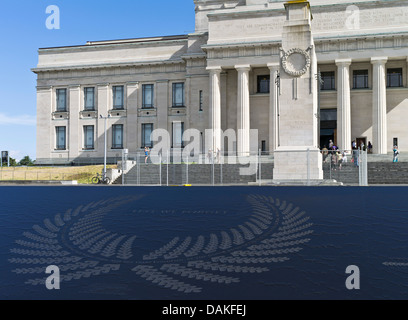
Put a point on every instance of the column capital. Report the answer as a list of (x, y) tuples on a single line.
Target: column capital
[(214, 69), (243, 67), (379, 60), (273, 65), (343, 62)]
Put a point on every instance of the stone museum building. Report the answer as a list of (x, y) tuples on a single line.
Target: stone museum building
[(226, 75)]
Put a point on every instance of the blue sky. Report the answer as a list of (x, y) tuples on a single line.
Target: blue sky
[(23, 31)]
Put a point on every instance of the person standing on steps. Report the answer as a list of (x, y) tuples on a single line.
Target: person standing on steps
[(146, 153), (370, 147), (396, 153)]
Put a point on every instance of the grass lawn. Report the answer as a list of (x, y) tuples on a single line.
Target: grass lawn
[(82, 174)]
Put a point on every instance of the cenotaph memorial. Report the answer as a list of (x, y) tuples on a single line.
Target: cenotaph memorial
[(297, 156)]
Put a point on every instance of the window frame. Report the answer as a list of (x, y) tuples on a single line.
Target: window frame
[(86, 147), (57, 136), (364, 74), (174, 91), (114, 93), (58, 92), (173, 138), (86, 108), (116, 127), (144, 105), (332, 82), (143, 135), (259, 80), (400, 80)]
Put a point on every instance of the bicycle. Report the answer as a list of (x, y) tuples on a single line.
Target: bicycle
[(101, 179)]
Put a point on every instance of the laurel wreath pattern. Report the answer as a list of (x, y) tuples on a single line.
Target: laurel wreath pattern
[(79, 244)]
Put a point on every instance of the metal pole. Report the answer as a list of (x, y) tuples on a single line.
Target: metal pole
[(260, 167), (160, 174), (187, 172), (8, 160), (167, 171), (221, 176), (104, 156), (213, 169), (331, 158), (123, 167), (308, 166), (359, 168)]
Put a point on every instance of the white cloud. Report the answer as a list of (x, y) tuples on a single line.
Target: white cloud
[(23, 120)]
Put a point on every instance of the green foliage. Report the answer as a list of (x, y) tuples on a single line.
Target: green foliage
[(13, 162), (26, 161)]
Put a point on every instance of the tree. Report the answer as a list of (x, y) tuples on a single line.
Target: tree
[(12, 161), (26, 161)]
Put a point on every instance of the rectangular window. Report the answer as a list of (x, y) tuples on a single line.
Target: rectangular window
[(148, 94), (147, 129), (61, 138), (200, 99), (394, 77), (118, 101), (360, 79), (62, 100), (178, 130), (89, 137), (328, 79), (263, 84), (395, 142), (89, 95), (178, 94), (117, 136)]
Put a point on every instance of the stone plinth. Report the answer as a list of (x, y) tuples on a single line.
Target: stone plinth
[(296, 163)]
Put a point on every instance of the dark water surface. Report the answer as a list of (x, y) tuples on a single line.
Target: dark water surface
[(204, 242)]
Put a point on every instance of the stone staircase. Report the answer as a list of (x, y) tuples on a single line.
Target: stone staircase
[(201, 174), (195, 174), (348, 174), (387, 173)]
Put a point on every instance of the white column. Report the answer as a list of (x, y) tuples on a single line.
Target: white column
[(273, 106), (343, 104), (215, 107), (379, 105), (243, 114)]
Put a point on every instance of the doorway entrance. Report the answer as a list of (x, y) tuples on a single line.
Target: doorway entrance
[(328, 127), (361, 140)]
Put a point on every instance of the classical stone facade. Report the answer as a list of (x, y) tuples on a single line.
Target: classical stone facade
[(223, 76)]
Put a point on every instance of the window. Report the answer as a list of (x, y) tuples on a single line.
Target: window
[(263, 84), (148, 94), (178, 94), (62, 100), (88, 137), (394, 77), (61, 138), (178, 130), (89, 94), (147, 129), (200, 99), (117, 136), (360, 79), (118, 97), (328, 81), (395, 142)]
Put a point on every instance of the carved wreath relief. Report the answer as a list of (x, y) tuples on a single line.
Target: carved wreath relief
[(296, 62)]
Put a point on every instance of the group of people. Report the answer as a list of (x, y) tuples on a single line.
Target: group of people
[(334, 155), (337, 157), (362, 146)]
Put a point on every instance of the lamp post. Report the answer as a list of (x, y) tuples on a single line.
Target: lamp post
[(105, 142)]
